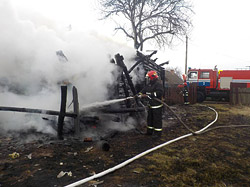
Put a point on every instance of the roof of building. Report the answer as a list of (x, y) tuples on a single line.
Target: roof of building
[(172, 78)]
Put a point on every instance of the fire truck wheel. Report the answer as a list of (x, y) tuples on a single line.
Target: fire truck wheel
[(200, 97)]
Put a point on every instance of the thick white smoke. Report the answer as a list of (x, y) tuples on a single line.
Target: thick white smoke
[(30, 70)]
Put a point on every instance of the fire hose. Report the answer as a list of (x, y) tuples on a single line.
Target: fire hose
[(179, 119), (147, 151)]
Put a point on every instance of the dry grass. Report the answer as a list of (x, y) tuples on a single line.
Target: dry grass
[(217, 158)]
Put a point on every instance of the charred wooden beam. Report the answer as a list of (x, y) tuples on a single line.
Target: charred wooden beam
[(128, 103), (76, 111), (162, 64), (37, 111), (119, 61), (149, 62), (154, 52), (133, 67), (153, 65), (62, 112)]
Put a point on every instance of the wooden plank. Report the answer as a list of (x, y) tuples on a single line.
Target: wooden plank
[(244, 96), (76, 111), (240, 96), (119, 60), (62, 112), (37, 111)]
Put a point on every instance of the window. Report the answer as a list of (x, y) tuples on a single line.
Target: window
[(193, 75), (204, 75)]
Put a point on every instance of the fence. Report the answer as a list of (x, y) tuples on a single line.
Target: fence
[(239, 94), (174, 95)]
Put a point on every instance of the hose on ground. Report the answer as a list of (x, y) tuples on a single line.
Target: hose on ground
[(179, 119), (229, 126), (140, 155)]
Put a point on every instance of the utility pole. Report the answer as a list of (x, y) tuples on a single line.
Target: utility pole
[(186, 55)]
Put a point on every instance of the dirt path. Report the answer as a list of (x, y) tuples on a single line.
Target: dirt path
[(217, 158)]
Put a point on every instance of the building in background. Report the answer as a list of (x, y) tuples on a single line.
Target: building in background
[(172, 79)]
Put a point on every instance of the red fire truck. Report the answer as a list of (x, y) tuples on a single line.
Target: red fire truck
[(216, 84)]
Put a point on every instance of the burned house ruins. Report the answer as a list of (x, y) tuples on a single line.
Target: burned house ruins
[(120, 106)]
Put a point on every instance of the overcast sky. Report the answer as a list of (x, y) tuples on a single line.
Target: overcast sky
[(220, 34)]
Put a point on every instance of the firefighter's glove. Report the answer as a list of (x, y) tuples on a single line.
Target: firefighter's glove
[(138, 96), (144, 96)]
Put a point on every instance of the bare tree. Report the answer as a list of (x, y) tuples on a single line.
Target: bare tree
[(157, 20)]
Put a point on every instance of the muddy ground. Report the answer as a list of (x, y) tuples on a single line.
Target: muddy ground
[(219, 157)]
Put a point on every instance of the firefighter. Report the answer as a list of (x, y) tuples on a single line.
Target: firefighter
[(153, 89), (185, 90), (185, 94)]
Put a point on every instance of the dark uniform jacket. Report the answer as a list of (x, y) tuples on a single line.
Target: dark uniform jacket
[(154, 90)]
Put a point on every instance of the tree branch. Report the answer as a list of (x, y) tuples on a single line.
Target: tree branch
[(126, 33), (159, 20)]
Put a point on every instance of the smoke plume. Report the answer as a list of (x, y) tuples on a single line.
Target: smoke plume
[(31, 71)]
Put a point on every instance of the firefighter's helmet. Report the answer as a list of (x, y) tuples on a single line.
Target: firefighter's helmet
[(152, 75)]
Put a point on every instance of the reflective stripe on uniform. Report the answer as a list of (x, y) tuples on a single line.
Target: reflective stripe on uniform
[(155, 94), (149, 127), (159, 106)]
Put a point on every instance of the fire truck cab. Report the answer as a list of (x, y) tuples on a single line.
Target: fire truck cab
[(216, 84), (205, 79)]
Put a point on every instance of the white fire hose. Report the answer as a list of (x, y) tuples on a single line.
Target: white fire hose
[(141, 154)]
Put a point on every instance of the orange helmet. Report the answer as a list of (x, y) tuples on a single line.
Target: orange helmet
[(152, 75)]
